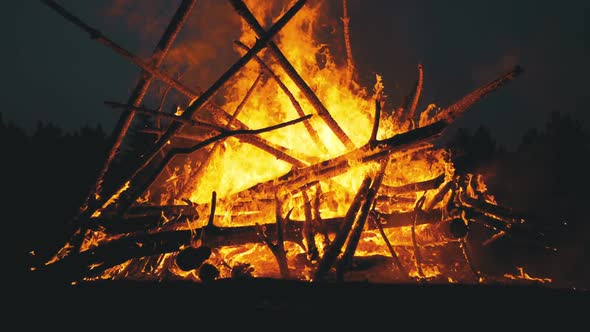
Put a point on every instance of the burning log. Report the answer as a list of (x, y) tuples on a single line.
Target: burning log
[(458, 108), (278, 248), (438, 197), (333, 251), (500, 212), (313, 99), (416, 97), (355, 234), (330, 168), (412, 187), (349, 60), (158, 210), (159, 241)]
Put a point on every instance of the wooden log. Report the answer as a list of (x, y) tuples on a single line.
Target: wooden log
[(148, 243), (326, 169), (313, 99), (158, 210), (331, 254), (458, 108), (412, 187), (416, 97), (500, 212), (345, 260), (346, 29)]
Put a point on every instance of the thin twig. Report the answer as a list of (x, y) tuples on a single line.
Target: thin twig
[(349, 59), (416, 97)]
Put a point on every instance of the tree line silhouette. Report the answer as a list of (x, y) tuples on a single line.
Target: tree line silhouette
[(48, 173)]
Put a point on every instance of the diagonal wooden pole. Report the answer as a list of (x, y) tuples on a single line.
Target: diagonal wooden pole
[(322, 111), (312, 132), (220, 116), (140, 90)]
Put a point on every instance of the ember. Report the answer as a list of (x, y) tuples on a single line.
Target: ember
[(298, 172)]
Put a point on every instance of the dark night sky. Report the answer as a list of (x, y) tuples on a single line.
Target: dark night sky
[(54, 72)]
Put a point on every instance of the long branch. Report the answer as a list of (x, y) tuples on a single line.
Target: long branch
[(147, 243), (416, 97), (312, 132), (322, 111), (346, 28), (467, 101)]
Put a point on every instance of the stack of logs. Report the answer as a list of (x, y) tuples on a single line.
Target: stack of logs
[(132, 230)]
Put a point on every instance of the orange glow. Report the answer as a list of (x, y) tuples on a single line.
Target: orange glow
[(525, 276)]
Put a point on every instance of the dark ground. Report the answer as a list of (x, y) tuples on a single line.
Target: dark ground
[(259, 303)]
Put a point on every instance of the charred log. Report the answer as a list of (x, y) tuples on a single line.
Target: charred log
[(151, 242), (191, 258)]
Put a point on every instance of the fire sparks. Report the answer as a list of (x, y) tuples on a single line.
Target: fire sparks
[(525, 276)]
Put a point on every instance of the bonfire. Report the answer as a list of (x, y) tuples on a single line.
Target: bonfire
[(284, 167)]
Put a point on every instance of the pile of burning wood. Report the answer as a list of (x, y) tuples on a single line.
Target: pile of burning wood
[(380, 202)]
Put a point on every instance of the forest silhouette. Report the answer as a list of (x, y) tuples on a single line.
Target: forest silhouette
[(48, 173)]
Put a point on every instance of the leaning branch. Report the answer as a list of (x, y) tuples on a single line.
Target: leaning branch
[(322, 111), (458, 108)]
